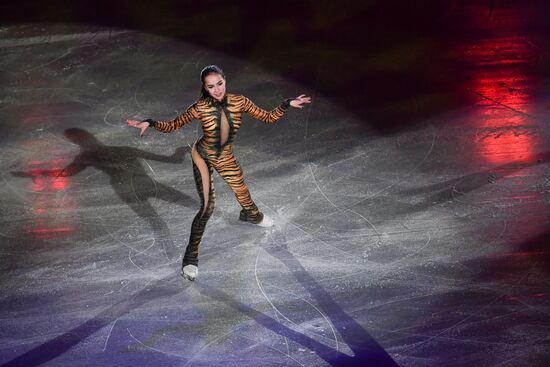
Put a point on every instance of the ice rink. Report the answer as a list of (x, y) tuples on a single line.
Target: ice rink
[(411, 198)]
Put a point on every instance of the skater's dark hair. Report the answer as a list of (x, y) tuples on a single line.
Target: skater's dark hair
[(210, 69)]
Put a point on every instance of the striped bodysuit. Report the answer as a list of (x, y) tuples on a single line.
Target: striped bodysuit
[(213, 151)]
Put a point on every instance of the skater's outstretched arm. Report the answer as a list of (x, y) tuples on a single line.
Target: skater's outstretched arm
[(270, 117), (167, 126), (71, 169)]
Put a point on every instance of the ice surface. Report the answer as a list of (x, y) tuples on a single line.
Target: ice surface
[(424, 247)]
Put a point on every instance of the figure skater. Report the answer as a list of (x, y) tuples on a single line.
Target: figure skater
[(220, 114)]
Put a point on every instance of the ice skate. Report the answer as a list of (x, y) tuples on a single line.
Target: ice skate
[(262, 221), (266, 222), (190, 272)]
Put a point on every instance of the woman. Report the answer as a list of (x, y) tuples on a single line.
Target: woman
[(221, 116)]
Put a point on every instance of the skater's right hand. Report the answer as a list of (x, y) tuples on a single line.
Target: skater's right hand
[(141, 125)]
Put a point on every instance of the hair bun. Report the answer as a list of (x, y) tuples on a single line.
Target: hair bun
[(211, 69)]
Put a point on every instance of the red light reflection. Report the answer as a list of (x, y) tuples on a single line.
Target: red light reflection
[(47, 179), (500, 81)]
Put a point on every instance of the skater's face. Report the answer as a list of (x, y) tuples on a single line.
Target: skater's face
[(215, 86)]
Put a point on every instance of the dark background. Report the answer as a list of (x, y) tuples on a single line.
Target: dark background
[(394, 64)]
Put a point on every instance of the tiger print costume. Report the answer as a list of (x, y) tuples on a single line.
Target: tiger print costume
[(213, 151)]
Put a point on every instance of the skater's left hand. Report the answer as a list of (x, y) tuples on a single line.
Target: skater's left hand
[(141, 125), (300, 101)]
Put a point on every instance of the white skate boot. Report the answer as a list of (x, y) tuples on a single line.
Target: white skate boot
[(266, 222), (190, 272)]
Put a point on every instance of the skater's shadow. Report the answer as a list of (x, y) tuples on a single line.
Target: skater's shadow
[(128, 178), (161, 288), (367, 352)]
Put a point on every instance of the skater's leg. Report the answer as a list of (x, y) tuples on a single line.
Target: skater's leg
[(202, 172), (231, 172)]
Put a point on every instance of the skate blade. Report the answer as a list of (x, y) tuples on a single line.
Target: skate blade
[(188, 277)]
